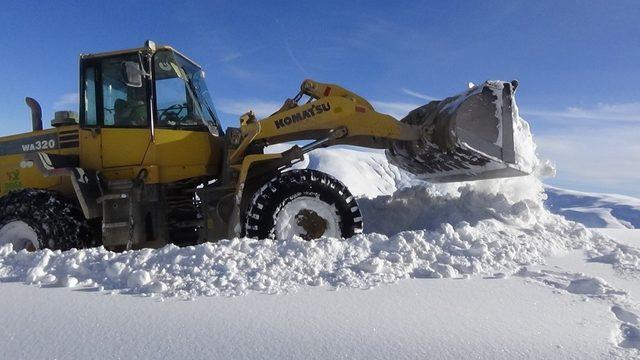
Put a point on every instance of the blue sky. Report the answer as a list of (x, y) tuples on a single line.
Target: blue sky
[(577, 62)]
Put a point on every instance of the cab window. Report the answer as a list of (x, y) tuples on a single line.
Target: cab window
[(182, 101), (90, 115), (123, 106), (177, 106), (174, 105)]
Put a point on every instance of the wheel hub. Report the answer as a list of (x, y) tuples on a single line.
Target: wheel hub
[(20, 235), (313, 224), (307, 217)]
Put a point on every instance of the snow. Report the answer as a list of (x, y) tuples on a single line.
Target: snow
[(576, 273), (493, 317), (595, 210), (419, 231), (414, 319), (525, 147), (365, 172), (488, 241), (622, 236), (18, 233)]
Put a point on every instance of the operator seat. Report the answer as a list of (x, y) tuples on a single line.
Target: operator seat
[(121, 113), (129, 113)]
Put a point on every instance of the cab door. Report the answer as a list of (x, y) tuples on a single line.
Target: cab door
[(116, 121)]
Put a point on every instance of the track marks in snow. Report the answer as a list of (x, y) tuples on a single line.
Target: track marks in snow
[(625, 315), (574, 283), (623, 258), (627, 332)]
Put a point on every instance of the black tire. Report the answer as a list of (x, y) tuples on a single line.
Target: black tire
[(58, 224), (267, 202)]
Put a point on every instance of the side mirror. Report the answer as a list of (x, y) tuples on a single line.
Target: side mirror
[(132, 74)]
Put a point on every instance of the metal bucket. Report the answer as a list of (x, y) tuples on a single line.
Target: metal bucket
[(464, 137)]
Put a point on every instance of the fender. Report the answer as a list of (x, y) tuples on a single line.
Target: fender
[(86, 183)]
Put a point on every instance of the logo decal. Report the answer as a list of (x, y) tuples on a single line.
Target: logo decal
[(43, 142), (302, 115), (39, 145)]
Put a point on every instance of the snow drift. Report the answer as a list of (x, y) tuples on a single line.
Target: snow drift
[(595, 210), (412, 229)]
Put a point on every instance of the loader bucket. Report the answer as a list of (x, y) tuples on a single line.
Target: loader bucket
[(465, 137)]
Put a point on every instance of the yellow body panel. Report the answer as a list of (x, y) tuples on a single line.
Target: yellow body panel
[(172, 155), (91, 145), (313, 120), (16, 173), (182, 154), (124, 147), (119, 154), (180, 147)]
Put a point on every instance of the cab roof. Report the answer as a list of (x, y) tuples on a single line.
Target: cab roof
[(149, 46)]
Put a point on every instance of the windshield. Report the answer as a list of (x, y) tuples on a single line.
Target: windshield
[(182, 97)]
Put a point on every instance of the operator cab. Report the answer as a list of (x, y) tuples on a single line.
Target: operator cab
[(149, 87)]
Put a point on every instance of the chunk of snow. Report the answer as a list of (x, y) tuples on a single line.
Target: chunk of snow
[(69, 281), (138, 278), (590, 286)]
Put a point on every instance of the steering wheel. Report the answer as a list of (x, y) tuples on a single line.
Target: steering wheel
[(169, 114)]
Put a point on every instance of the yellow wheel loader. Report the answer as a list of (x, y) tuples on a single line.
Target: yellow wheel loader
[(145, 162)]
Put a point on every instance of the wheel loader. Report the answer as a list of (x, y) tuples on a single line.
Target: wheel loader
[(145, 162)]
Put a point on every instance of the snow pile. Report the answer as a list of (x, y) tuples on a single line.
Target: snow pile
[(420, 207), (232, 267), (418, 231), (412, 229), (365, 172), (524, 146), (623, 257)]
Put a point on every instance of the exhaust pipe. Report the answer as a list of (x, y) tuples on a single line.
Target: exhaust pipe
[(36, 113)]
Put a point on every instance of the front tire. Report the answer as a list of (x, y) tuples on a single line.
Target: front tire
[(305, 203), (35, 219)]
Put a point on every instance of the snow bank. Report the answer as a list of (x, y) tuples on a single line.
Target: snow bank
[(232, 267), (412, 229)]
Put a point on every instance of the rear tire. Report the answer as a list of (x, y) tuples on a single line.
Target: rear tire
[(306, 203), (46, 219)]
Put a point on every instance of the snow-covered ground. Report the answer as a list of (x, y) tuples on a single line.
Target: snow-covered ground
[(473, 270), (567, 309), (413, 319)]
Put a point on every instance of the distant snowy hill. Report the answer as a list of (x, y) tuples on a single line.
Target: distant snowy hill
[(594, 210)]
